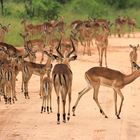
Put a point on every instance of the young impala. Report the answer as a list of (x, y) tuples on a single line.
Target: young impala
[(46, 93), (101, 76), (133, 55)]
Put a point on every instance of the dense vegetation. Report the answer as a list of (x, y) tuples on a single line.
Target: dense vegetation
[(12, 11)]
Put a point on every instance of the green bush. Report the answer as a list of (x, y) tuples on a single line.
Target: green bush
[(47, 9), (91, 7)]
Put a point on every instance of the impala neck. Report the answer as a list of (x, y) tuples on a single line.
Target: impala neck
[(130, 78), (49, 62)]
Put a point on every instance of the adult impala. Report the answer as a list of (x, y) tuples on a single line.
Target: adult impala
[(62, 79), (101, 76), (3, 31)]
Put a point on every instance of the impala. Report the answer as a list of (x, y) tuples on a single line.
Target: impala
[(101, 76), (46, 93), (33, 29), (101, 41), (34, 45), (3, 31), (62, 80), (120, 23), (30, 68), (133, 55), (131, 22)]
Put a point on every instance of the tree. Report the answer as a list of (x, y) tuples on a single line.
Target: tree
[(63, 1), (2, 11), (29, 7)]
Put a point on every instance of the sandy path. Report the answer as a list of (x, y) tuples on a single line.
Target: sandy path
[(23, 120)]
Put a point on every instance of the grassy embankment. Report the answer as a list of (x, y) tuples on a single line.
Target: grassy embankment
[(70, 12)]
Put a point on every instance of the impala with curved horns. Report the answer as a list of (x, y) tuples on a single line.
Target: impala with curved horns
[(62, 79)]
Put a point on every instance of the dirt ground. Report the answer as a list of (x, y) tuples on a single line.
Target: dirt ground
[(23, 120)]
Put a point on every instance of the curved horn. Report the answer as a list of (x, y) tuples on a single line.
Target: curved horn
[(57, 49), (47, 53), (73, 47)]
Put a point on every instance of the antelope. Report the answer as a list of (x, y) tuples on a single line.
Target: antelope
[(30, 68), (75, 23), (86, 34), (8, 73), (120, 22), (34, 45), (101, 41), (3, 31), (46, 93), (65, 44), (131, 26), (101, 76), (13, 52), (102, 22), (33, 29), (9, 79), (133, 55), (62, 79), (59, 26)]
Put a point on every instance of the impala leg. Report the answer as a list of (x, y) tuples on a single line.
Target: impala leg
[(50, 96), (95, 97), (48, 104), (42, 107), (80, 94), (63, 95), (102, 52), (8, 93), (69, 106), (132, 68), (89, 50), (133, 31), (106, 56), (115, 99), (122, 99), (13, 88), (58, 113), (41, 86), (13, 92), (84, 51), (42, 57), (45, 103), (64, 113), (99, 53), (22, 84), (26, 89)]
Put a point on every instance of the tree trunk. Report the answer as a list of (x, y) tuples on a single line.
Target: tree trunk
[(2, 11)]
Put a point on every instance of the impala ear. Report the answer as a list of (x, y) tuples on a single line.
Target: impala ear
[(130, 46), (55, 57), (135, 65), (4, 48), (72, 58)]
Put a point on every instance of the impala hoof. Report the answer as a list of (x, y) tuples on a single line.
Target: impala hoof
[(68, 118), (118, 117)]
